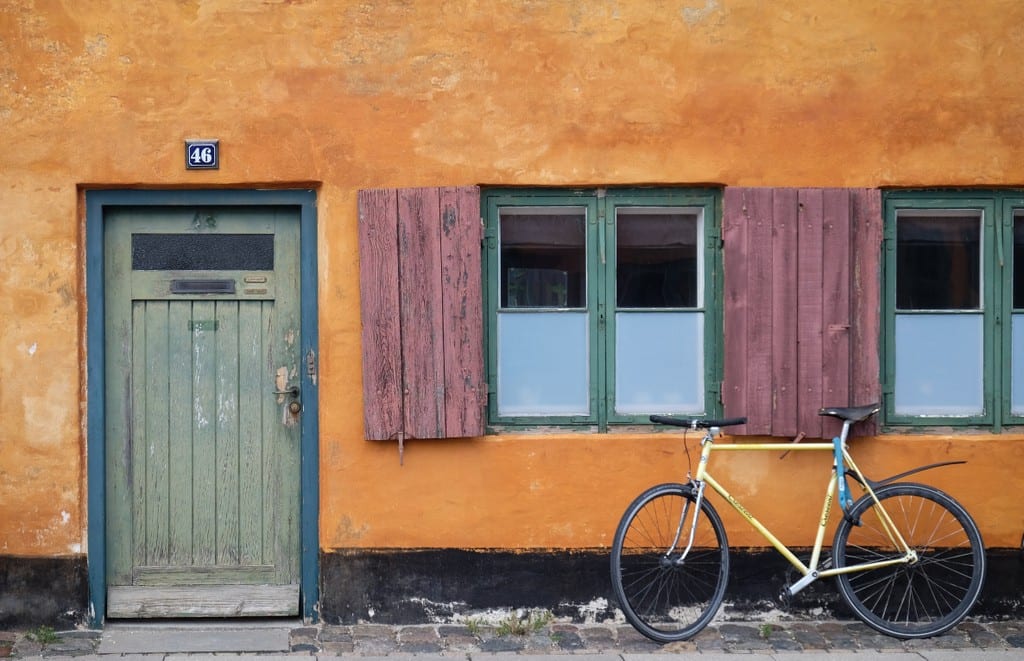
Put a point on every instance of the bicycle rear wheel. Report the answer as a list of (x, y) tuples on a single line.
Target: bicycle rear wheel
[(916, 600), (665, 597)]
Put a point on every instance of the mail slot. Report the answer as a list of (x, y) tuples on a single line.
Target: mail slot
[(202, 286)]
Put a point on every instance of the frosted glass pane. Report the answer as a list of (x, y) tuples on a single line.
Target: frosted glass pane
[(203, 252), (1017, 363), (543, 364), (659, 362), (939, 364)]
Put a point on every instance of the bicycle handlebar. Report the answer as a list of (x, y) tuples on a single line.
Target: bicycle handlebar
[(699, 423)]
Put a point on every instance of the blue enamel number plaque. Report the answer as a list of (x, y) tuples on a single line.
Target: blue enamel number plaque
[(202, 154)]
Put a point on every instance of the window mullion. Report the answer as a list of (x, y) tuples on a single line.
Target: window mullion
[(1005, 332), (600, 277), (992, 272)]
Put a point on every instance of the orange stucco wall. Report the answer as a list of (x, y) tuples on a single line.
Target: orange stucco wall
[(356, 94)]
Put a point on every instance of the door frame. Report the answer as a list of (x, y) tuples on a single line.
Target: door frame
[(96, 202)]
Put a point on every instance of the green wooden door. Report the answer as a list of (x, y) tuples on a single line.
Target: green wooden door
[(202, 432)]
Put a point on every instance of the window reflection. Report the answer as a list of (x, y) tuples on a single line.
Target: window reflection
[(656, 258), (543, 257), (938, 262)]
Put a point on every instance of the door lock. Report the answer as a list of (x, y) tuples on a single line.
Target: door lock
[(295, 408)]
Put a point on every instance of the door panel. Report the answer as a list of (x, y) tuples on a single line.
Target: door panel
[(202, 446)]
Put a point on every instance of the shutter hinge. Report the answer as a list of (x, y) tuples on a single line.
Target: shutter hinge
[(489, 235)]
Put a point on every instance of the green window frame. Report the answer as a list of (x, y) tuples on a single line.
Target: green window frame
[(953, 340), (561, 348)]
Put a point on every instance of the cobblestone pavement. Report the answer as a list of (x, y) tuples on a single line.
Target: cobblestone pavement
[(814, 638)]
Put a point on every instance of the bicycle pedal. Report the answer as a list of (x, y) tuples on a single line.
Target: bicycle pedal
[(785, 598)]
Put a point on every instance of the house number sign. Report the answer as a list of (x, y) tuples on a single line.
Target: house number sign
[(202, 154)]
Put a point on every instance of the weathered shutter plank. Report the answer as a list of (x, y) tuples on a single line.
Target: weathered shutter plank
[(809, 309), (784, 297), (865, 302), (463, 312), (379, 304), (759, 311), (419, 236), (836, 253), (734, 257)]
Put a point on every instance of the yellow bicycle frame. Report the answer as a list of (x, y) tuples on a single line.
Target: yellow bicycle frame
[(810, 571)]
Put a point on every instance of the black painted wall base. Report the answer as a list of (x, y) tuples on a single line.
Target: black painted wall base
[(36, 591), (433, 585)]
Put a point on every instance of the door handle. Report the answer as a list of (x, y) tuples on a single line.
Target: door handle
[(293, 391)]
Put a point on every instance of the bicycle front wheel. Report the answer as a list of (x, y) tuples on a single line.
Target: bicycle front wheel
[(929, 596), (665, 596)]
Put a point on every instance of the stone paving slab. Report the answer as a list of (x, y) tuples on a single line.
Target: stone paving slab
[(974, 655), (190, 638)]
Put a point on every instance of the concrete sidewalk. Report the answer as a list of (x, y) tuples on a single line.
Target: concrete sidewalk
[(265, 640)]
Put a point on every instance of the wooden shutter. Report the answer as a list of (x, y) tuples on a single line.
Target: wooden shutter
[(422, 313), (802, 296)]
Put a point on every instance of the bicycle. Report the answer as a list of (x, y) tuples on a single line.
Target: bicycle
[(908, 559)]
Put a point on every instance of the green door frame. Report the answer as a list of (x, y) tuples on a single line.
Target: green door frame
[(95, 203)]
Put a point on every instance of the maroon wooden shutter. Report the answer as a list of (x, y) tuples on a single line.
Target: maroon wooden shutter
[(422, 313), (801, 317)]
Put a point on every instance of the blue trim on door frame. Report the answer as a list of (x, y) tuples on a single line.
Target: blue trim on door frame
[(95, 202)]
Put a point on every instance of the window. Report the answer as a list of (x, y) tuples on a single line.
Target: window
[(954, 299), (601, 305)]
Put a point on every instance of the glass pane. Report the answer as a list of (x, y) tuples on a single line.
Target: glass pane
[(659, 362), (657, 258), (203, 252), (1017, 365), (543, 364), (939, 368), (543, 257), (938, 261), (1018, 260)]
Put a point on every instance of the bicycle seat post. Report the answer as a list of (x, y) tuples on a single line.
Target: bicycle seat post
[(844, 434)]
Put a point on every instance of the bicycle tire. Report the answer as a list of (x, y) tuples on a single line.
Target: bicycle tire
[(664, 600), (917, 600)]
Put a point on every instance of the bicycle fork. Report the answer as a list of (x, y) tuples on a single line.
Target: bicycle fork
[(696, 504), (698, 485)]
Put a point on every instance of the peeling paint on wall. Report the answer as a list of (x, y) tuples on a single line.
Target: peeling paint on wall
[(692, 16)]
